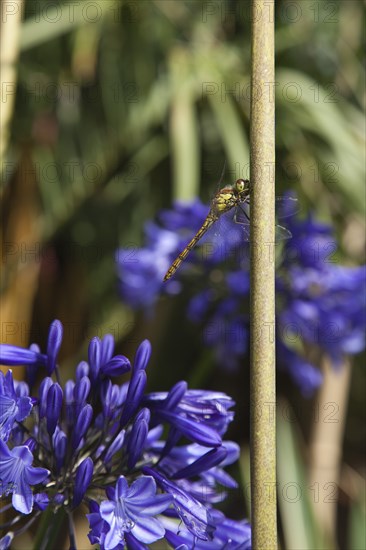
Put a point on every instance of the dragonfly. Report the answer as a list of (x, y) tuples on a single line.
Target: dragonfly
[(226, 199)]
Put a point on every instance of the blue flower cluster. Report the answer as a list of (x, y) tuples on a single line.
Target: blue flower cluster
[(148, 466), (317, 300)]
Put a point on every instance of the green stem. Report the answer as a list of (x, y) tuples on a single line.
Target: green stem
[(49, 528), (262, 273)]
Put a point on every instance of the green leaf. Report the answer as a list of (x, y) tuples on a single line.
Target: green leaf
[(232, 132), (323, 113), (357, 531), (52, 21), (184, 131)]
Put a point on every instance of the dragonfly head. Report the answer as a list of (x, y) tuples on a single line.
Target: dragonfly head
[(241, 186)]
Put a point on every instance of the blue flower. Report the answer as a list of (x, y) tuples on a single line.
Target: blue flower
[(183, 216), (98, 527), (138, 437), (312, 243), (229, 534), (303, 373), (317, 301), (6, 541), (91, 434), (215, 472), (13, 407), (195, 515), (101, 359), (83, 477), (53, 344), (201, 415), (18, 475), (54, 405), (325, 310), (185, 462), (132, 510), (14, 355), (141, 271)]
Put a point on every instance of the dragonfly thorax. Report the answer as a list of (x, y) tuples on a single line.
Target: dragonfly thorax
[(230, 196)]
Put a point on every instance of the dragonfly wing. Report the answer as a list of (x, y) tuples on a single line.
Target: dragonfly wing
[(242, 214), (224, 237), (245, 232), (242, 217), (286, 206), (282, 233)]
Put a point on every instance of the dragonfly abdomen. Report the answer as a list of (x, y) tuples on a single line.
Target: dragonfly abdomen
[(211, 218)]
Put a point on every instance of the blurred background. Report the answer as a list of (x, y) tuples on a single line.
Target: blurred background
[(115, 109)]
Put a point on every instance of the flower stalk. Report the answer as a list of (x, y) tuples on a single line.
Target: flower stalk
[(262, 279)]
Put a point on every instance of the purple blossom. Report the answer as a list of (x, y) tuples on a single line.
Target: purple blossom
[(229, 534), (82, 425), (13, 408), (53, 344), (14, 355), (41, 501), (81, 391), (101, 360), (325, 309), (132, 510), (83, 477), (6, 541), (18, 475), (312, 243), (317, 300), (138, 436), (187, 461), (141, 279), (91, 434), (54, 405), (98, 527), (308, 377), (195, 515)]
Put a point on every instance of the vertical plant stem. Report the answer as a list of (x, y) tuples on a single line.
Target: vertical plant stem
[(11, 16), (262, 285), (326, 442)]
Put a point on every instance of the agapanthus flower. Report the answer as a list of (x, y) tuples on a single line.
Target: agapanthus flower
[(229, 534), (14, 406), (32, 357), (91, 443), (6, 541), (18, 476), (133, 510), (317, 301)]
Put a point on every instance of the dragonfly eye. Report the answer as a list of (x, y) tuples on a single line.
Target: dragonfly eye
[(241, 185)]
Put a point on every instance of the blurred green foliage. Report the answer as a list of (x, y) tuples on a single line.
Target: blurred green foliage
[(127, 105)]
